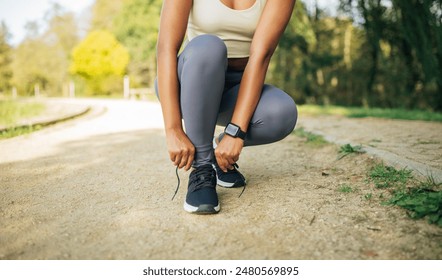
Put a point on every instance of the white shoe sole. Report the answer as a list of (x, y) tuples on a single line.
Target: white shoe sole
[(224, 184), (202, 209), (218, 181)]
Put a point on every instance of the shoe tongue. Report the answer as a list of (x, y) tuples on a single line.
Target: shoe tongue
[(203, 176)]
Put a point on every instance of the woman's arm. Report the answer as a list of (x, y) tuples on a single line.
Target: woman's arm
[(173, 23), (272, 24)]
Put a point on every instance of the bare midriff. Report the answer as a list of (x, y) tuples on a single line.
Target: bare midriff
[(238, 64)]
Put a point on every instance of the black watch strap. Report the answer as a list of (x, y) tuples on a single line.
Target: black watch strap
[(234, 131)]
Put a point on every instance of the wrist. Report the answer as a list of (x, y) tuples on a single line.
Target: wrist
[(175, 129), (234, 131), (233, 138)]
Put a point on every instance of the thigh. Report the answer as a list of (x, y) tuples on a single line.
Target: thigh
[(229, 97), (274, 118), (271, 101)]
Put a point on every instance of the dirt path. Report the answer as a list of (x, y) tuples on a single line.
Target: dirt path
[(100, 187), (415, 145)]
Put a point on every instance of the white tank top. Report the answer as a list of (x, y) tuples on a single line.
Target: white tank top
[(234, 27)]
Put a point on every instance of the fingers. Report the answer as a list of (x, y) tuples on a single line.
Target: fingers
[(181, 149), (223, 165), (231, 161), (186, 160), (183, 161), (189, 162), (183, 158), (225, 162), (227, 152), (176, 159)]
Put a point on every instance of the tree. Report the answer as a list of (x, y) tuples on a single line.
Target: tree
[(136, 27), (5, 59), (62, 29), (420, 26), (36, 63), (98, 59), (288, 67), (404, 43), (104, 13), (43, 58)]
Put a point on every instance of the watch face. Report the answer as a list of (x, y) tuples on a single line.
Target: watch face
[(232, 130)]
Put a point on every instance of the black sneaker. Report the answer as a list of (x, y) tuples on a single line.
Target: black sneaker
[(201, 194), (230, 179)]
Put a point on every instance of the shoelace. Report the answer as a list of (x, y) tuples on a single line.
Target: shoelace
[(237, 166), (202, 177), (197, 176), (178, 183), (234, 165)]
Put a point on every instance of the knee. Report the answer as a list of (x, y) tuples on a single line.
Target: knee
[(281, 113), (291, 113), (287, 114), (207, 49)]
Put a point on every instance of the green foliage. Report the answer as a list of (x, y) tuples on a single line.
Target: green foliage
[(99, 54), (311, 138), (12, 111), (62, 30), (403, 44), (420, 198), (347, 149), (401, 114), (387, 177), (368, 196), (383, 54), (104, 13), (37, 63), (419, 23), (345, 189), (287, 68), (136, 27), (359, 112), (43, 59), (17, 131), (421, 203), (374, 54), (5, 59), (100, 59)]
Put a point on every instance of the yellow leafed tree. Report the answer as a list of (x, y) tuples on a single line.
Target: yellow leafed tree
[(101, 60)]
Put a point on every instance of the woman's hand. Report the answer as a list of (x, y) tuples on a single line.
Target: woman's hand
[(181, 150), (227, 152)]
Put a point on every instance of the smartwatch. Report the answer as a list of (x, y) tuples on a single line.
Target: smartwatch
[(234, 131)]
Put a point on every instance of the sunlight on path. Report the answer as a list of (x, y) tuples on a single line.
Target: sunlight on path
[(107, 116)]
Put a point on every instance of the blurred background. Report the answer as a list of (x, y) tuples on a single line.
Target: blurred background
[(365, 53)]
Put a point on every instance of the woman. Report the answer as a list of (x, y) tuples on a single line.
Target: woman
[(218, 78)]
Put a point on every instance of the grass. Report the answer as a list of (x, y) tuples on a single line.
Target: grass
[(420, 203), (420, 198), (12, 112), (311, 138), (345, 189), (387, 177), (358, 112), (348, 149), (16, 131)]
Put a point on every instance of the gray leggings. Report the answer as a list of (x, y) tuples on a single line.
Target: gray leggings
[(208, 93)]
